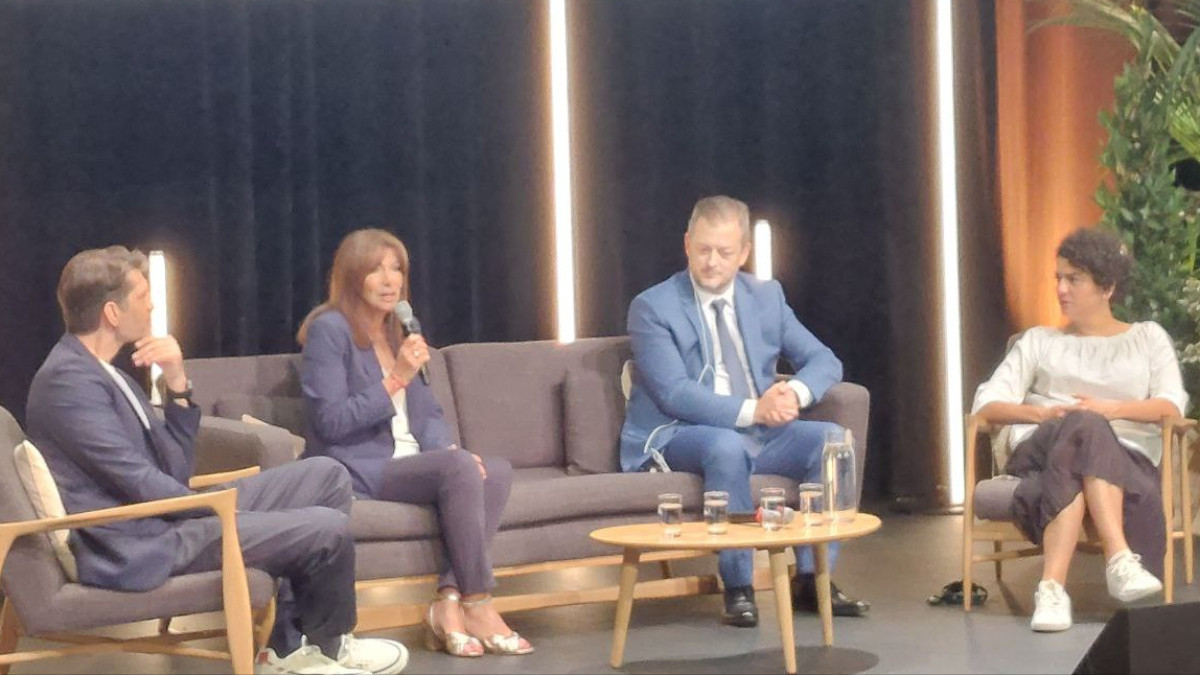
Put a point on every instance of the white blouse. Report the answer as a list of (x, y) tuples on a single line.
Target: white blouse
[(406, 443), (1047, 367)]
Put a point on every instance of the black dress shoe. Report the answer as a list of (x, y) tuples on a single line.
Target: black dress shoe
[(804, 597), (740, 609)]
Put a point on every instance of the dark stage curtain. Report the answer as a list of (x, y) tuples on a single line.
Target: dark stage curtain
[(246, 138), (821, 116)]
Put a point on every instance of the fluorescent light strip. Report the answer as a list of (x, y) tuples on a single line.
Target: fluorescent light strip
[(948, 188), (158, 315), (762, 250), (564, 246)]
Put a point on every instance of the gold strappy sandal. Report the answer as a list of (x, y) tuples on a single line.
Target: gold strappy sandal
[(453, 643), (508, 645)]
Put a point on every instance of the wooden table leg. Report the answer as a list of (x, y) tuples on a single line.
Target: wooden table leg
[(783, 604), (629, 572), (824, 597)]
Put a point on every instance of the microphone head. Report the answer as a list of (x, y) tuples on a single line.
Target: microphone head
[(404, 311)]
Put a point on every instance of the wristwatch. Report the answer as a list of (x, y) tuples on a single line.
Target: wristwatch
[(185, 395)]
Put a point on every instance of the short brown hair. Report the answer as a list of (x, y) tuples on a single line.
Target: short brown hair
[(94, 278), (720, 209), (358, 254), (1102, 254)]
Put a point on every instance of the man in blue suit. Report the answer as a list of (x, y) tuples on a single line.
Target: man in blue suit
[(706, 343), (106, 446)]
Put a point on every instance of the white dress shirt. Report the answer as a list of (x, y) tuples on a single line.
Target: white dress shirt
[(745, 416)]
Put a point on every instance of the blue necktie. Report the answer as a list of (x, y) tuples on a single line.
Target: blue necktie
[(738, 387)]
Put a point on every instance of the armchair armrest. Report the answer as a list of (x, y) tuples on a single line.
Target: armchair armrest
[(848, 405), (1177, 425), (235, 585), (211, 479), (223, 502)]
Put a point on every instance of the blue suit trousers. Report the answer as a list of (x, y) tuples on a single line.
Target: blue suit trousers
[(726, 458)]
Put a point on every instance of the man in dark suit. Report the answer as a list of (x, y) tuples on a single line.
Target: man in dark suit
[(107, 447), (706, 343)]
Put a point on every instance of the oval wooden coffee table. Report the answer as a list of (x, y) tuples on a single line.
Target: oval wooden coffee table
[(649, 537)]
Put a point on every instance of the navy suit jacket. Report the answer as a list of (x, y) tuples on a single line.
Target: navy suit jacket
[(349, 413), (673, 352), (101, 457)]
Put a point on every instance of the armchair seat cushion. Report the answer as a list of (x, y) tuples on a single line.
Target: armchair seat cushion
[(78, 607), (994, 498)]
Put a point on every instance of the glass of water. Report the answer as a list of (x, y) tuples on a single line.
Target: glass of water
[(812, 504), (771, 500), (670, 513), (716, 511)]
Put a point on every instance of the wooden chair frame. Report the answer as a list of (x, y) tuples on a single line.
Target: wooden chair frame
[(245, 630), (1174, 435)]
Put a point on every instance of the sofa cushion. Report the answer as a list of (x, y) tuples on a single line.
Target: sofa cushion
[(509, 397), (994, 498), (544, 495), (556, 499), (280, 411), (46, 501), (297, 442), (375, 520), (593, 412)]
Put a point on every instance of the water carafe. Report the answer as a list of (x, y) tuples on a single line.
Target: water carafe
[(839, 477)]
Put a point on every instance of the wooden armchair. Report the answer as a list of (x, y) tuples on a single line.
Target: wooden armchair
[(999, 531), (40, 601)]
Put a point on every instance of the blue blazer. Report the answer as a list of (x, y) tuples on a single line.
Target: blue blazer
[(349, 413), (672, 349), (101, 457)]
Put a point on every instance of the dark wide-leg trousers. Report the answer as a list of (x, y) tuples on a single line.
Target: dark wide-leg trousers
[(468, 508), (293, 523), (1055, 459)]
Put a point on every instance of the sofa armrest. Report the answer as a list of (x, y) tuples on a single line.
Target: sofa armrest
[(848, 405), (224, 445)]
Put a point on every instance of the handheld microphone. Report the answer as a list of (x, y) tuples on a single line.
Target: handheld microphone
[(404, 312), (755, 516)]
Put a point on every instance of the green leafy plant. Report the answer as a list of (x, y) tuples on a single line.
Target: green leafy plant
[(1179, 86)]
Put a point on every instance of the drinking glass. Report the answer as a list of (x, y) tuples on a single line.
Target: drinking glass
[(772, 501), (670, 513), (716, 511), (812, 504)]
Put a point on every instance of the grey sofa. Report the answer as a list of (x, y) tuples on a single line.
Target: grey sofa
[(555, 411)]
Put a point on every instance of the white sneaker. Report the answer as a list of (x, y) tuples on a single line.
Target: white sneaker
[(1051, 607), (1127, 579), (372, 655), (307, 660)]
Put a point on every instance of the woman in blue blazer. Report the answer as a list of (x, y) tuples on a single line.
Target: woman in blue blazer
[(367, 408)]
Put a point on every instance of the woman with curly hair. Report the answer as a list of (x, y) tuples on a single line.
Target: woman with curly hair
[(1085, 402)]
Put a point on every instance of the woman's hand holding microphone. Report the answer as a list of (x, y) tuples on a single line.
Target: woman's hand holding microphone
[(413, 354)]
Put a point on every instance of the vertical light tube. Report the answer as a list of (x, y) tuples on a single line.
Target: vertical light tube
[(948, 188), (564, 247), (762, 250), (158, 315)]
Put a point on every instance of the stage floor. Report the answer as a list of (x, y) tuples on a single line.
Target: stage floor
[(910, 558)]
